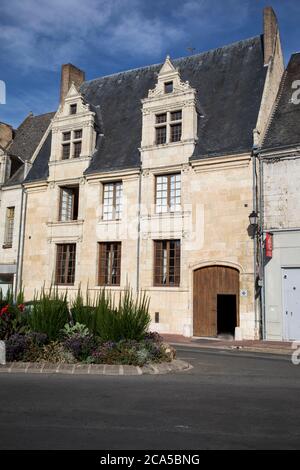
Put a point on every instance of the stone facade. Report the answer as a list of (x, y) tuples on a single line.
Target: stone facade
[(281, 218), (15, 162), (211, 223)]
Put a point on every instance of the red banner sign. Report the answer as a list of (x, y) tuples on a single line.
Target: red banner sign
[(269, 245)]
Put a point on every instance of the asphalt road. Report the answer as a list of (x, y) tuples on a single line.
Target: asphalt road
[(229, 400)]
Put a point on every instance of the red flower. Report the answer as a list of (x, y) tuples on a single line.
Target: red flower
[(4, 310), (21, 307)]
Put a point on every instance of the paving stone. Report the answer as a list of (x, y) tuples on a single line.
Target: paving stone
[(35, 367), (2, 353), (5, 368), (66, 368), (97, 369), (130, 370), (20, 366), (177, 364), (49, 368), (100, 369), (163, 368), (148, 369), (82, 369), (112, 369)]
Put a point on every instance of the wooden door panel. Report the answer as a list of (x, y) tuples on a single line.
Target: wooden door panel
[(208, 282)]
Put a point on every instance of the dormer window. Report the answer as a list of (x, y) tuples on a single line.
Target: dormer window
[(168, 87), (161, 135), (168, 127), (72, 143), (66, 136), (73, 108), (161, 118)]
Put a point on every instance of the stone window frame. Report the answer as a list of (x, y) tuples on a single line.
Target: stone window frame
[(72, 143), (167, 263), (109, 263), (173, 120), (9, 227), (65, 264), (72, 204), (168, 186), (73, 109), (112, 200)]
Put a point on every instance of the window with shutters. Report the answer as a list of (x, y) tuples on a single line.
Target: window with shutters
[(69, 201), (112, 200), (109, 271), (167, 263), (65, 263), (168, 193), (9, 227)]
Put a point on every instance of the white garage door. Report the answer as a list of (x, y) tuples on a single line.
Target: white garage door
[(291, 303)]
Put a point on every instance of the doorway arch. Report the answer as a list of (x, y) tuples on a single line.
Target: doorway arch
[(215, 300)]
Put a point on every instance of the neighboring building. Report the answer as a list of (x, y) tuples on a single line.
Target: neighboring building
[(280, 210), (17, 153), (145, 178)]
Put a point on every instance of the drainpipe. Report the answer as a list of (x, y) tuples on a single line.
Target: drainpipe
[(139, 235), (255, 241), (21, 243), (261, 245)]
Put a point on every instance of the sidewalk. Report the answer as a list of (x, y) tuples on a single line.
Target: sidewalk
[(271, 347)]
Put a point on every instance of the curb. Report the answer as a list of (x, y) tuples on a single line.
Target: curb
[(94, 369), (254, 349)]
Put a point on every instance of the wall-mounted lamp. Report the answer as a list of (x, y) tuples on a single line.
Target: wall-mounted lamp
[(253, 219)]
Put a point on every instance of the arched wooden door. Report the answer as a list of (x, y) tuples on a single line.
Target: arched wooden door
[(209, 283)]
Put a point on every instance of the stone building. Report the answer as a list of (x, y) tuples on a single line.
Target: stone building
[(279, 209), (145, 178), (17, 151)]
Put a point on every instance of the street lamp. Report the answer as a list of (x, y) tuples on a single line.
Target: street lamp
[(253, 218)]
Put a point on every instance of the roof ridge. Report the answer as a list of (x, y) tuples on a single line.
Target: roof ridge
[(43, 114), (275, 105), (227, 46)]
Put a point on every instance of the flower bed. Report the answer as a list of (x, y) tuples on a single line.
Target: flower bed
[(47, 330)]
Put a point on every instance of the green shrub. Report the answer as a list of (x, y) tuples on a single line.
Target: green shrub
[(129, 321), (83, 311), (133, 316), (71, 330), (49, 313), (132, 352), (105, 318), (80, 346), (56, 353)]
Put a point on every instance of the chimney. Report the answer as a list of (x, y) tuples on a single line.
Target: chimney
[(69, 74), (6, 134), (270, 33)]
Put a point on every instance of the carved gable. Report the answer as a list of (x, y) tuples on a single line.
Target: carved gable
[(170, 117), (73, 133), (168, 74), (73, 97)]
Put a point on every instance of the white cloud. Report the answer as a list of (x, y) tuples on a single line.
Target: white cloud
[(214, 15), (46, 33)]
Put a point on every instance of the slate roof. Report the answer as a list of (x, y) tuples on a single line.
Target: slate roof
[(229, 83), (27, 138), (28, 135), (40, 168), (284, 127)]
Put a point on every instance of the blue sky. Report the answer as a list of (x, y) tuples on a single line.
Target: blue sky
[(107, 36)]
